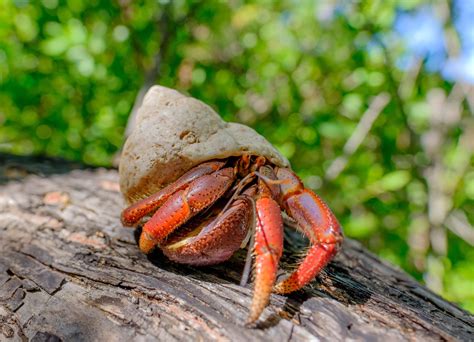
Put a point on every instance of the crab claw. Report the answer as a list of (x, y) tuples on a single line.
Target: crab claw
[(215, 239), (316, 221)]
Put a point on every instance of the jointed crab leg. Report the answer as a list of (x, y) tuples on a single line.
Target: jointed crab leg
[(184, 204), (268, 249), (133, 214), (317, 222)]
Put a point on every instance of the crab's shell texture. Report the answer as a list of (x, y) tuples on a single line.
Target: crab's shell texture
[(173, 133)]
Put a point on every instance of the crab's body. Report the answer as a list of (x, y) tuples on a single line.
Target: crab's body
[(208, 184)]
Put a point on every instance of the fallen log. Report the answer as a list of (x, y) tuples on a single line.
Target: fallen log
[(70, 271)]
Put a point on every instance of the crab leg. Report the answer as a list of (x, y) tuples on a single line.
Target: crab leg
[(133, 214), (268, 249), (184, 204), (317, 222)]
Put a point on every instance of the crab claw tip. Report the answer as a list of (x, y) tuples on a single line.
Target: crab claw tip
[(146, 243)]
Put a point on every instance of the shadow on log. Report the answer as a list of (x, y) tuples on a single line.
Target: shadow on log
[(70, 271)]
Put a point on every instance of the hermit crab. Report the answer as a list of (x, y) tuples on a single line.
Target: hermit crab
[(202, 188)]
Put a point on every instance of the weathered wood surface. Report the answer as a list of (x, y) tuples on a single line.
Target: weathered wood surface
[(70, 271)]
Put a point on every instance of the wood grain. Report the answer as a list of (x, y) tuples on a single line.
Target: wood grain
[(69, 271)]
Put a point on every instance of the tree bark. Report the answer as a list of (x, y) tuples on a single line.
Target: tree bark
[(70, 271)]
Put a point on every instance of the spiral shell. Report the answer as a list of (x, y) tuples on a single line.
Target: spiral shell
[(173, 133)]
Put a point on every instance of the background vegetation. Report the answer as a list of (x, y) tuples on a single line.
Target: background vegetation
[(372, 101)]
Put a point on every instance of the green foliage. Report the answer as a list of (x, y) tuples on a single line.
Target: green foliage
[(301, 73)]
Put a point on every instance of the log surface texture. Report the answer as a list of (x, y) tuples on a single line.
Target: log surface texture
[(69, 271)]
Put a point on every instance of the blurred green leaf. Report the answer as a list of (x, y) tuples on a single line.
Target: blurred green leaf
[(395, 180)]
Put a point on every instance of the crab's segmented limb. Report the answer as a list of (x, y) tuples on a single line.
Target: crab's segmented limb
[(216, 239), (184, 204), (133, 214), (317, 222), (268, 251), (315, 260)]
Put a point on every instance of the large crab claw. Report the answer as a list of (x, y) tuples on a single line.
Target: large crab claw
[(216, 238)]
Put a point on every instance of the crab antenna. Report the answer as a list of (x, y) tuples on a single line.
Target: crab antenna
[(245, 181), (271, 181), (248, 258)]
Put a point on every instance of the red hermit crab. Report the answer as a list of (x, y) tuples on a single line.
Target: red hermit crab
[(210, 186)]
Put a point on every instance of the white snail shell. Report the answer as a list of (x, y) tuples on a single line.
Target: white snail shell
[(173, 133)]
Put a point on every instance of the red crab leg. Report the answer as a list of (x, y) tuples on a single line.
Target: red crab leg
[(268, 249), (133, 214), (184, 204), (317, 222)]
